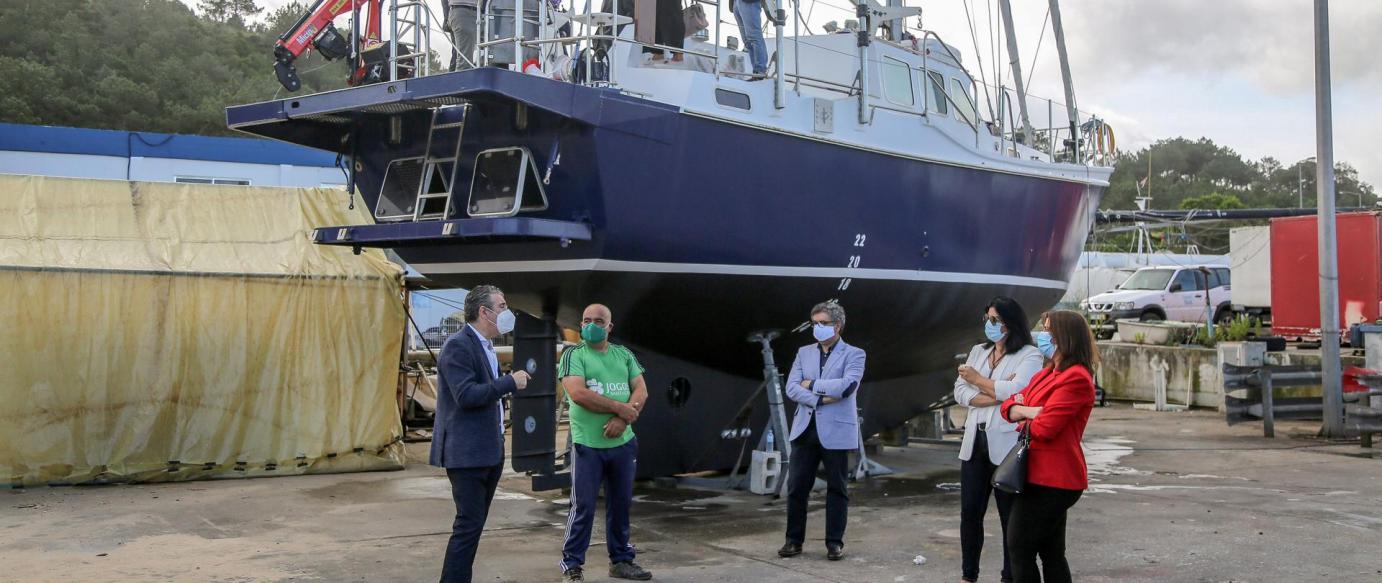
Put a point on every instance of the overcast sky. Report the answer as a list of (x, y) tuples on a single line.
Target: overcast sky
[(1240, 72)]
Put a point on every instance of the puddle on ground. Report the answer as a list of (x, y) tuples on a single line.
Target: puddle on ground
[(885, 489), (672, 495), (1102, 456)]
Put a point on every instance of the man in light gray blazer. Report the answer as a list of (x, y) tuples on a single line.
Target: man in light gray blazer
[(824, 383)]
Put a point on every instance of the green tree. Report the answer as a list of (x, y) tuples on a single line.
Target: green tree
[(144, 65), (229, 11), (1213, 200), (1174, 170)]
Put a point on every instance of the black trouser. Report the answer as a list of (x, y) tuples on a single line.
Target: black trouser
[(670, 30), (1037, 528), (976, 482), (473, 490), (807, 456)]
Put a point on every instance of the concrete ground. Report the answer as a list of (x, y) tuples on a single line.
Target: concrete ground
[(1176, 497)]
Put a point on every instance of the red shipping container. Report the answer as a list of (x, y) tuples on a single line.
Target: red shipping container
[(1296, 274)]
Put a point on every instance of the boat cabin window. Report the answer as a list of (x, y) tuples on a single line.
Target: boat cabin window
[(937, 84), (964, 104), (897, 82), (732, 99)]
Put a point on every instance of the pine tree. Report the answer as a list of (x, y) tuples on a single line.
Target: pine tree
[(236, 12)]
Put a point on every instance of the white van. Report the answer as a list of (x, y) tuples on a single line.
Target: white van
[(1183, 294)]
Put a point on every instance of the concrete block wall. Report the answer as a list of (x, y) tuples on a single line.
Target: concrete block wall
[(1128, 372)]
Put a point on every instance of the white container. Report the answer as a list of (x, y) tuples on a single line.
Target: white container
[(1155, 333), (1243, 353), (1250, 265)]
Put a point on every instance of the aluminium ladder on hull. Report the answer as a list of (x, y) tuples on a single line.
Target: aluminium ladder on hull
[(439, 169)]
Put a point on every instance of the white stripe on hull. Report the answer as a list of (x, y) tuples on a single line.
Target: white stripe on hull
[(726, 269)]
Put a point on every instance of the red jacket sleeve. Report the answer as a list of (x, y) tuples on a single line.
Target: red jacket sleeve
[(1068, 398), (1007, 404)]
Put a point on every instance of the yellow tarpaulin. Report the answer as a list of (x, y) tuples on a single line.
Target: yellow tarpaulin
[(156, 331)]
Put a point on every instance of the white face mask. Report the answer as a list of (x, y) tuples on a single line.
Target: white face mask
[(504, 321), (823, 332)]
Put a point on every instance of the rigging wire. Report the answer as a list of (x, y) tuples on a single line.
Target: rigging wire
[(441, 300), (1032, 69), (978, 58)]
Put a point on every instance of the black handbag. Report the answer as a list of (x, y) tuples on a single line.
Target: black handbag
[(1011, 475)]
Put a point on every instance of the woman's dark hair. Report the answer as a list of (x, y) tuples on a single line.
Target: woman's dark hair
[(1073, 339), (1015, 319)]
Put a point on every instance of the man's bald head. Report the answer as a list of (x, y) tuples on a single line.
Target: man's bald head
[(597, 313)]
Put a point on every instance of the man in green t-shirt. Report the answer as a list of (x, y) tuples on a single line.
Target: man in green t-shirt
[(604, 387)]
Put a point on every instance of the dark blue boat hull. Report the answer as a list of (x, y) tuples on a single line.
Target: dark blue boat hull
[(704, 231)]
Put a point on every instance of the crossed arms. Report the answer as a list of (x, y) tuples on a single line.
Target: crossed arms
[(817, 392)]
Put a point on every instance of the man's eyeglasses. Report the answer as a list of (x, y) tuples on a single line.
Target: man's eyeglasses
[(824, 322)]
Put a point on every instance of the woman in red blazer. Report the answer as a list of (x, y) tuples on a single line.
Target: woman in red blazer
[(1054, 408)]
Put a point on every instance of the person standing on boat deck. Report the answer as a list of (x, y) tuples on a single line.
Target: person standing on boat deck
[(995, 370), (1055, 409), (749, 14), (461, 18), (605, 390), (824, 383), (669, 30), (468, 430)]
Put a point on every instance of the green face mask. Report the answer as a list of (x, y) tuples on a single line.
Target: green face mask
[(593, 334)]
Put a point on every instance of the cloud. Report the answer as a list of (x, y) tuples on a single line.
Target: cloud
[(1270, 44)]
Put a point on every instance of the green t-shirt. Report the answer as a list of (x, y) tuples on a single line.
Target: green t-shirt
[(608, 373)]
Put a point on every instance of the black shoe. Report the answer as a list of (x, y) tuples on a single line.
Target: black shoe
[(834, 552), (573, 575), (629, 570), (789, 550)]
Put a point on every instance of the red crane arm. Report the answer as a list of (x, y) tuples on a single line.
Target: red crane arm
[(315, 30)]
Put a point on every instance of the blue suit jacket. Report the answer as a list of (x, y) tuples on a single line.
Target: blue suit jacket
[(837, 424), (468, 431)]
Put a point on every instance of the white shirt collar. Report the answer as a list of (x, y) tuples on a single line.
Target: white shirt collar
[(482, 338)]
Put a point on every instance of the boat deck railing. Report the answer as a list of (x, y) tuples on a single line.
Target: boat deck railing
[(586, 34)]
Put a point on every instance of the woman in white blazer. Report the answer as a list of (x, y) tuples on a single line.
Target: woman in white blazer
[(994, 371)]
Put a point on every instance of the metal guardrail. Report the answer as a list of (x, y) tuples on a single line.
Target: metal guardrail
[(1249, 393)]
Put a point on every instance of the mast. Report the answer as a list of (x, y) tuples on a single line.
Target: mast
[(895, 25), (1074, 114), (1025, 133), (862, 35)]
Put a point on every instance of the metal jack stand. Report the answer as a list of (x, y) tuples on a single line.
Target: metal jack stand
[(867, 467), (777, 410)]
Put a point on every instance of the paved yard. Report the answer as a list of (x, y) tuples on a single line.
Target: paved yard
[(1177, 497)]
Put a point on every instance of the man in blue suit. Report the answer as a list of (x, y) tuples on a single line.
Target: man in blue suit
[(468, 432), (824, 383)]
